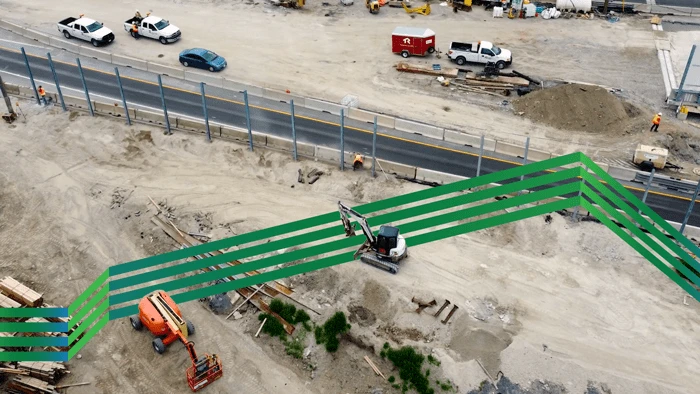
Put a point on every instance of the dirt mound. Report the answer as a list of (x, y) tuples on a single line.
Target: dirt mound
[(578, 108)]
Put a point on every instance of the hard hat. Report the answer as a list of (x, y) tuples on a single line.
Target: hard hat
[(659, 113)]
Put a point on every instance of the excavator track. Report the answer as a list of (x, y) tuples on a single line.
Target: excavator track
[(371, 258)]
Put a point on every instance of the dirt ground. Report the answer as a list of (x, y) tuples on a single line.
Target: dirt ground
[(552, 306), (329, 51)]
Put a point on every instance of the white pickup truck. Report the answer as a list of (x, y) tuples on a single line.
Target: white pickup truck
[(86, 29), (154, 27), (479, 52)]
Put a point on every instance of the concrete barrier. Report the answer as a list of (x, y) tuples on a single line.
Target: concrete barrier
[(11, 88), (537, 155), (286, 145), (509, 149), (96, 53), (366, 116), (126, 61), (111, 109), (36, 36), (239, 87), (188, 124), (625, 174), (326, 106), (391, 167), (242, 135), (13, 27), (155, 117), (210, 80), (72, 101), (26, 91), (436, 176), (469, 140), (419, 128), (283, 97), (165, 70), (64, 44)]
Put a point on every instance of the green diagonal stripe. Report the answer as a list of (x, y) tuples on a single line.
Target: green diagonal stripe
[(93, 331), (33, 327), (84, 296), (33, 341), (91, 304), (86, 323)]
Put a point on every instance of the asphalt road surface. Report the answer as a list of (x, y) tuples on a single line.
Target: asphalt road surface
[(268, 118)]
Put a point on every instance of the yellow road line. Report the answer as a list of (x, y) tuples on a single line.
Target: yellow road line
[(332, 123)]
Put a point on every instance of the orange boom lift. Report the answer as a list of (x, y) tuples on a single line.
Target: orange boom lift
[(161, 315)]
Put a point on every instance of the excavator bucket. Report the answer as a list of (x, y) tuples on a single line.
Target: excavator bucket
[(204, 372), (423, 10)]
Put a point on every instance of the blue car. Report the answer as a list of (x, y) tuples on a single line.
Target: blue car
[(202, 58)]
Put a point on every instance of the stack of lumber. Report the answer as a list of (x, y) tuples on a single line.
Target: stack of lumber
[(29, 385), (7, 302), (49, 372), (55, 319), (20, 293), (425, 69), (496, 82)]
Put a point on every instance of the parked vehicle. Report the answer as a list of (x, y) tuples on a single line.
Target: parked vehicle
[(412, 41), (479, 52), (202, 58), (153, 27), (86, 29)]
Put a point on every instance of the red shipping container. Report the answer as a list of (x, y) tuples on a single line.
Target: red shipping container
[(412, 41)]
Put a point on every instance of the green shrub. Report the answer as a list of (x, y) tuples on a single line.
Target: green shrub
[(332, 344), (295, 348), (392, 379), (447, 386), (276, 305), (301, 317), (396, 386), (329, 331), (382, 354), (386, 345), (318, 333), (433, 360), (272, 327), (409, 364)]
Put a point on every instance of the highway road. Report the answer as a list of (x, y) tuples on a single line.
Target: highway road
[(272, 118)]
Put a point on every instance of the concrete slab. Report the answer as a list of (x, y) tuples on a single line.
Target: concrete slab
[(239, 87), (130, 62), (391, 167), (326, 106), (460, 138), (209, 80), (96, 54), (166, 70), (284, 97), (368, 117), (419, 128), (435, 176)]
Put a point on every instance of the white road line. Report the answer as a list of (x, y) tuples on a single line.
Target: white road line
[(51, 84), (23, 44)]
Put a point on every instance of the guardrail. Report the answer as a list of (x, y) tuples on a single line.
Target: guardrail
[(666, 182)]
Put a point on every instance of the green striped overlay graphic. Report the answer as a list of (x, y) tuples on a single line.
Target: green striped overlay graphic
[(564, 182)]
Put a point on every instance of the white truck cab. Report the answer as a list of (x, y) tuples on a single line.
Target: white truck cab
[(154, 27), (479, 52), (86, 29)]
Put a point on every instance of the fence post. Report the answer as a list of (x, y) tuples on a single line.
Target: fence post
[(4, 95), (165, 108), (374, 148), (646, 189), (481, 154), (55, 79), (527, 147), (247, 120), (342, 140), (121, 92), (690, 207), (206, 113), (87, 95), (294, 131), (31, 76)]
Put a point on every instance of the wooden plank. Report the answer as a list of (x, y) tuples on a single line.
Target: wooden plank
[(7, 302), (500, 79), (20, 292), (56, 319), (14, 371), (428, 70)]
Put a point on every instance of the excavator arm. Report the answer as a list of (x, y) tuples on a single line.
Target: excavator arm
[(345, 213)]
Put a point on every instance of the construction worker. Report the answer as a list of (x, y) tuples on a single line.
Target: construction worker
[(655, 122), (138, 15), (42, 95), (134, 30), (357, 162)]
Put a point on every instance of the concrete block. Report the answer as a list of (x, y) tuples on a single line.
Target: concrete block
[(64, 44), (13, 27), (73, 101), (166, 70), (126, 61), (284, 97), (26, 91), (368, 117), (239, 87), (188, 124), (624, 174), (325, 106), (208, 79), (11, 88), (240, 134), (419, 128), (36, 36), (537, 155), (96, 53), (509, 149), (327, 154), (460, 138), (286, 145), (435, 176), (391, 167), (153, 117), (109, 108)]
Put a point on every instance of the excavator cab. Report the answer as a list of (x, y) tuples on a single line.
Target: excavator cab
[(387, 239), (373, 6)]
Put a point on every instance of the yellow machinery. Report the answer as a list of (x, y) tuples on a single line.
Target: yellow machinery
[(372, 6), (291, 3), (462, 5), (424, 10)]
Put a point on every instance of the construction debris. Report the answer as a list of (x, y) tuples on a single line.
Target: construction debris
[(374, 368), (300, 177), (447, 302), (446, 72), (20, 293), (7, 302), (423, 305), (449, 315), (29, 385), (50, 372), (261, 327), (119, 197)]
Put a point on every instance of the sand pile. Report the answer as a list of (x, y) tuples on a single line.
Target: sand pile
[(578, 108)]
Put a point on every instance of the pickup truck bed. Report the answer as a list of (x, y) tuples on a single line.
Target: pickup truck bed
[(67, 21)]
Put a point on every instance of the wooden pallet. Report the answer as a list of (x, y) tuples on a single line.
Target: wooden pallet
[(21, 293), (29, 385), (428, 70), (49, 372)]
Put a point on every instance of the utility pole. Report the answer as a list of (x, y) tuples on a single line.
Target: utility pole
[(605, 7), (6, 97)]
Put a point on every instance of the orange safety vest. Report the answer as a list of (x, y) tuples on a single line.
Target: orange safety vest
[(358, 158), (42, 92), (656, 120), (134, 28)]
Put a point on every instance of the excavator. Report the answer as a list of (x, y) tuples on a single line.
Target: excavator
[(384, 251), (372, 6), (161, 315), (423, 10)]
